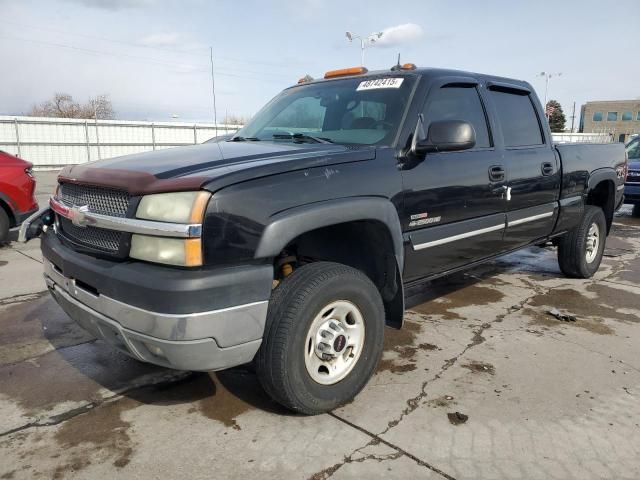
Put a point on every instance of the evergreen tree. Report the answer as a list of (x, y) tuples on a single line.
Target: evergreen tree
[(556, 116)]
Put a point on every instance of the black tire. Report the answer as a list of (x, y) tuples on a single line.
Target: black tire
[(280, 362), (636, 210), (5, 223), (572, 248)]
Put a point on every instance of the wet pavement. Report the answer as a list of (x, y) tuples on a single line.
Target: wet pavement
[(481, 383)]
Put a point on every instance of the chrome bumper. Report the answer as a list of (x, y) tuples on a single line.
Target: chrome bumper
[(201, 341)]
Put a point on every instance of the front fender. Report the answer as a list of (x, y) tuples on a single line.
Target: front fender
[(286, 226)]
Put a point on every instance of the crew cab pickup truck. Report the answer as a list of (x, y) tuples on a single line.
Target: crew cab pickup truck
[(291, 244), (632, 185)]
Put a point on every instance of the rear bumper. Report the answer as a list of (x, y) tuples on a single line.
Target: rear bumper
[(632, 193), (209, 335)]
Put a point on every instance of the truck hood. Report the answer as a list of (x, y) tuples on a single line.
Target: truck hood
[(210, 166)]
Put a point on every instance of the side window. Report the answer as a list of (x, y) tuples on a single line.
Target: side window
[(518, 118), (459, 103)]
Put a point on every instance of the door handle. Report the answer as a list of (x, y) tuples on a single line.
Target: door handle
[(547, 169), (496, 173)]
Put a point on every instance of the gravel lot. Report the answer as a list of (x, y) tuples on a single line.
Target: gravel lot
[(481, 383)]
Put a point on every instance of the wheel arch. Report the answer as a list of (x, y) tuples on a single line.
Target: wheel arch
[(6, 206), (601, 192), (362, 232)]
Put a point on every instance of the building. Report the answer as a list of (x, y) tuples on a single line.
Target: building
[(618, 118)]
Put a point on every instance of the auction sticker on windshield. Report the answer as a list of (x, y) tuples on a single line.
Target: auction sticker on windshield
[(380, 83)]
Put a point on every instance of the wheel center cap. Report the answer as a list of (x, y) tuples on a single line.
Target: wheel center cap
[(339, 343)]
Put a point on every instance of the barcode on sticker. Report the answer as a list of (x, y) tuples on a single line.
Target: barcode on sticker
[(380, 83)]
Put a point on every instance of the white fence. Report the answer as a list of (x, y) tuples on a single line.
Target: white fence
[(581, 137), (54, 142)]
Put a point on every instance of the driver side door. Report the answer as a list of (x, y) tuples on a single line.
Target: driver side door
[(454, 210)]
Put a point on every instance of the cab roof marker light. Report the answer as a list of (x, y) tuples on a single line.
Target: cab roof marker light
[(408, 66), (343, 72)]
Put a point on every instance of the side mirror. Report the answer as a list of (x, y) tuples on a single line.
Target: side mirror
[(444, 136)]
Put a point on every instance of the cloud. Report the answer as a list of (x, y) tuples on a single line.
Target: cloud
[(114, 4), (161, 40), (399, 34)]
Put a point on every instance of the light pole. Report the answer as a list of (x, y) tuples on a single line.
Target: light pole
[(547, 76), (364, 42)]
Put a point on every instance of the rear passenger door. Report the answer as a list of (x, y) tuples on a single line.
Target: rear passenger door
[(532, 167), (453, 211)]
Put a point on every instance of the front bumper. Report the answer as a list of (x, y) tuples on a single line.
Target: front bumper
[(192, 336), (632, 193)]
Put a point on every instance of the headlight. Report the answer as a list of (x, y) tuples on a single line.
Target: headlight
[(178, 207), (171, 251)]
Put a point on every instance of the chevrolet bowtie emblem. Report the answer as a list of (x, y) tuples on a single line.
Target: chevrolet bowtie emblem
[(77, 215)]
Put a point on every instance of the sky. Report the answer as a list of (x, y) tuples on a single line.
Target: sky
[(152, 56)]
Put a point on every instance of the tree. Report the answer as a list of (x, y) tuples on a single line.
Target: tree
[(556, 116), (62, 105), (99, 107)]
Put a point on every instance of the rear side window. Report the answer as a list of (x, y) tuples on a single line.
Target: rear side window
[(459, 103), (518, 118)]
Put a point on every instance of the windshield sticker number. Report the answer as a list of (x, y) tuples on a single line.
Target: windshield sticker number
[(380, 83)]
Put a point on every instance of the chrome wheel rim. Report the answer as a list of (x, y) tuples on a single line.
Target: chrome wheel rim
[(334, 342), (593, 243)]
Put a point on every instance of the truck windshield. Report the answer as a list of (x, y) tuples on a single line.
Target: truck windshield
[(359, 111), (633, 149)]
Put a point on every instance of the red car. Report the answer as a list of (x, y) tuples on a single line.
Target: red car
[(17, 188)]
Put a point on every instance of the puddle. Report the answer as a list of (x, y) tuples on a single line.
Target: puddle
[(400, 348), (444, 301), (542, 319), (33, 325), (584, 308), (104, 429)]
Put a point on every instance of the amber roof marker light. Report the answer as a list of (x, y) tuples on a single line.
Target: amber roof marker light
[(343, 72)]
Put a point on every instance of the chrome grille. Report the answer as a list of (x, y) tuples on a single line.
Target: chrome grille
[(633, 176), (91, 237), (102, 200)]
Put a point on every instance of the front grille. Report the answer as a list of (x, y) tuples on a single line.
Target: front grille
[(107, 241), (633, 176), (102, 200)]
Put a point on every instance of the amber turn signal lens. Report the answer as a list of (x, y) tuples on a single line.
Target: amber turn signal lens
[(199, 207), (345, 71), (192, 252)]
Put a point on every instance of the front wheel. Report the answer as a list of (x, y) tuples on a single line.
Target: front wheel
[(580, 251), (323, 338), (636, 210)]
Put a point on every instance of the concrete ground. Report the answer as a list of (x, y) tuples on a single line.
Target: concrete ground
[(481, 383)]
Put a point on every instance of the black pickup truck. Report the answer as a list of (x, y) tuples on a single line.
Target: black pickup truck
[(292, 243)]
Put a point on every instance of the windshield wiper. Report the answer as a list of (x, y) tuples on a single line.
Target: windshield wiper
[(244, 139), (302, 136)]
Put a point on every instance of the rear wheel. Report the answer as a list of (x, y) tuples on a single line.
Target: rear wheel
[(580, 251), (4, 226), (323, 339), (636, 210)]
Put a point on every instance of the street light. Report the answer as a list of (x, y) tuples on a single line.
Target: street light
[(547, 76), (364, 42)]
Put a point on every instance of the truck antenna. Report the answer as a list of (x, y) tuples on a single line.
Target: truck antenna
[(397, 65)]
